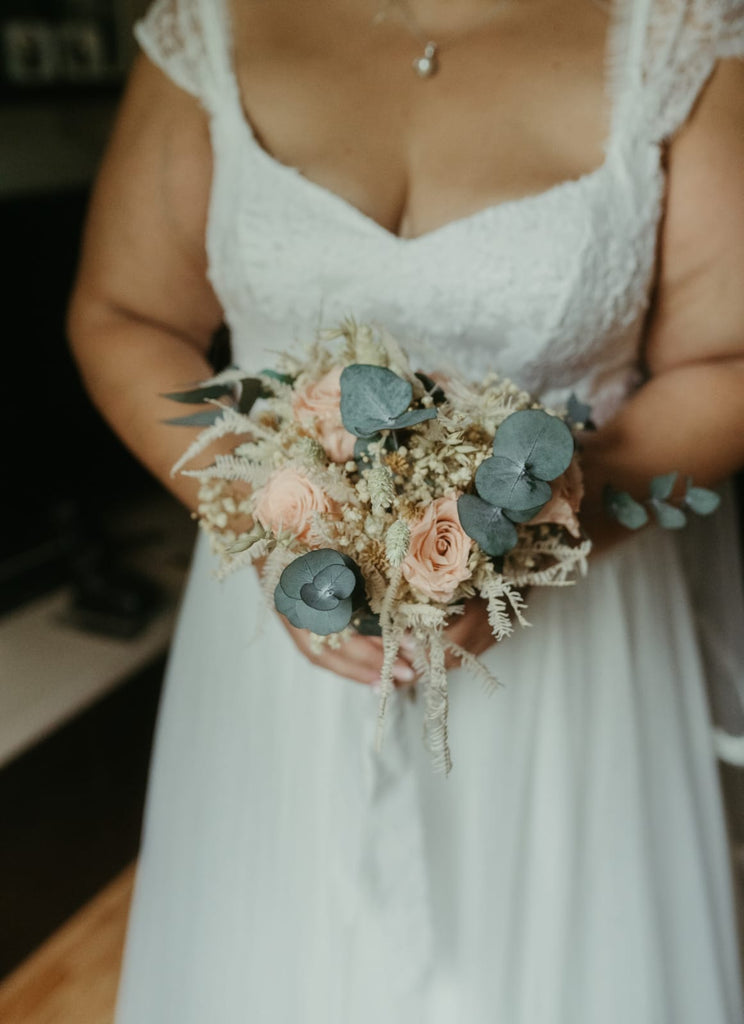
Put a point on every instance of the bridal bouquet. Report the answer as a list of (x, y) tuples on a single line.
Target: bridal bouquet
[(381, 499)]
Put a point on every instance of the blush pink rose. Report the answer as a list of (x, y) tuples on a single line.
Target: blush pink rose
[(563, 507), (319, 406), (437, 559), (288, 500)]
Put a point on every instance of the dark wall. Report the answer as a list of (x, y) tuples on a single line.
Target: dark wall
[(57, 449)]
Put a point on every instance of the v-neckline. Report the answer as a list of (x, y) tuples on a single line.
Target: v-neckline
[(618, 30)]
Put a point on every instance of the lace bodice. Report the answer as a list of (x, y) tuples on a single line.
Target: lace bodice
[(550, 289)]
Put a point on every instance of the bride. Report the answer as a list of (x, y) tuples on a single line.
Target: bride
[(547, 188)]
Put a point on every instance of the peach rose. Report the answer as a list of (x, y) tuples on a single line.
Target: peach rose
[(437, 559), (563, 507), (287, 502), (319, 405)]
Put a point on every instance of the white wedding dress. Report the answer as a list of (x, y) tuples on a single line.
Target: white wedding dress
[(573, 868)]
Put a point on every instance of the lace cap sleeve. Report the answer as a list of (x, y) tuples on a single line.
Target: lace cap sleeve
[(684, 40), (731, 41), (182, 37)]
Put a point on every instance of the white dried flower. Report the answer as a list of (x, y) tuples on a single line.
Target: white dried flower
[(397, 541), (381, 488), (311, 451), (373, 527)]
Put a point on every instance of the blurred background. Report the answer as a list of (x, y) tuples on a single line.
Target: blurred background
[(92, 553)]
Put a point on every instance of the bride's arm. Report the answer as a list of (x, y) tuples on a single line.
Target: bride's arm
[(689, 416), (142, 313)]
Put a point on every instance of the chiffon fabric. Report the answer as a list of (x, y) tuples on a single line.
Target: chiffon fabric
[(573, 867)]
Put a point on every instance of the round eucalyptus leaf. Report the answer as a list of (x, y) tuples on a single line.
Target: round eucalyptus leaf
[(662, 486), (538, 442), (283, 602), (372, 397), (669, 516), (702, 501), (626, 510), (320, 600), (503, 482), (338, 580), (305, 568), (486, 524), (302, 616), (325, 622)]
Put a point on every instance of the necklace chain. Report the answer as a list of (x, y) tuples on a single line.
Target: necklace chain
[(427, 65)]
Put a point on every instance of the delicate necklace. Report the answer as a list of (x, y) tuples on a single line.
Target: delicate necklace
[(427, 65)]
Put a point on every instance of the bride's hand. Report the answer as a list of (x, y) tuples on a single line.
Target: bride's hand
[(359, 658), (470, 630)]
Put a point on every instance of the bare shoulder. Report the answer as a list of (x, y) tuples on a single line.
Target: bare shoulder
[(699, 305), (144, 247)]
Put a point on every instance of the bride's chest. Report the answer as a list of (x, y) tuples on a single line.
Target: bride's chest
[(517, 106), (545, 288)]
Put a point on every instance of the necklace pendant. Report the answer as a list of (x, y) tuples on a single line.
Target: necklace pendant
[(427, 65)]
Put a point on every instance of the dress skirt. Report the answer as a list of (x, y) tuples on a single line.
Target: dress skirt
[(572, 868)]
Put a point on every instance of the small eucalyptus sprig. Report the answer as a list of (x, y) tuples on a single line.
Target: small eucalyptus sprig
[(669, 513)]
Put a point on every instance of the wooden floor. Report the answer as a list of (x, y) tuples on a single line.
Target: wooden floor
[(72, 978)]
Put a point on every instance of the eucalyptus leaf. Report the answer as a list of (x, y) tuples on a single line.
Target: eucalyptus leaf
[(320, 600), (316, 591), (372, 398), (505, 483), (662, 486), (486, 524), (321, 622), (201, 393), (305, 568), (324, 623), (669, 516), (251, 389), (283, 378), (625, 509), (338, 580), (283, 602), (539, 443), (334, 616), (410, 419), (701, 501), (579, 412), (205, 418), (524, 515)]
